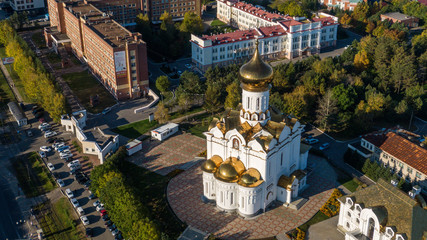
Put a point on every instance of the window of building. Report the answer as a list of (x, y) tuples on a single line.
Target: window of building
[(236, 143), (418, 175), (231, 198), (409, 170), (400, 164)]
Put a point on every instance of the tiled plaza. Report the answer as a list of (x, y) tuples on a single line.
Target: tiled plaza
[(172, 153), (184, 196)]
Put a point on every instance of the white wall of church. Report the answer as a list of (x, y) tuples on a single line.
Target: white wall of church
[(250, 199), (226, 195), (209, 186)]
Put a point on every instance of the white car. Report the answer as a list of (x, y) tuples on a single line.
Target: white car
[(74, 162), (44, 125), (45, 148), (60, 182), (42, 154), (96, 203), (188, 66), (75, 202), (100, 207), (75, 167), (84, 219), (69, 193), (50, 166), (65, 152), (68, 155), (311, 140), (58, 145), (50, 134)]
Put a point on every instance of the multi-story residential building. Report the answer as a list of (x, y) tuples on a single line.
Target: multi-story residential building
[(342, 4), (31, 6), (398, 17), (278, 35), (116, 56), (176, 8), (399, 150), (123, 12), (383, 212)]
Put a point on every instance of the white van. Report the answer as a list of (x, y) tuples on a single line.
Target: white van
[(81, 211)]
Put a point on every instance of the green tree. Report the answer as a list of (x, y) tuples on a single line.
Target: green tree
[(162, 113), (18, 20), (192, 23), (191, 82), (345, 95), (292, 8), (403, 70), (212, 103), (345, 19), (419, 43), (166, 19), (162, 84), (233, 95), (143, 26), (184, 101)]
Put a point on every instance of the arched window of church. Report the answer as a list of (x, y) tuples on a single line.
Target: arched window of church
[(254, 117), (243, 202), (262, 116), (231, 198), (257, 104), (371, 228), (248, 102), (235, 143), (264, 102)]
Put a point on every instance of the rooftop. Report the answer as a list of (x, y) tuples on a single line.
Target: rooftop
[(402, 145), (401, 211), (16, 110), (397, 15), (165, 127), (247, 7), (96, 135)]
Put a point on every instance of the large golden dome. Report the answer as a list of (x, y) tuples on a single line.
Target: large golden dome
[(250, 178), (212, 164), (256, 75), (230, 170)]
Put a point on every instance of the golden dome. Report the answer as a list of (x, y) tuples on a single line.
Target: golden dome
[(256, 75), (230, 170), (212, 164), (250, 178)]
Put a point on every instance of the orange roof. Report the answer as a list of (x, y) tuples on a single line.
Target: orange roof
[(402, 149)]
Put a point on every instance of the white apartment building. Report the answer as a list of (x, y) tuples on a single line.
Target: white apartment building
[(26, 5), (394, 149), (278, 35)]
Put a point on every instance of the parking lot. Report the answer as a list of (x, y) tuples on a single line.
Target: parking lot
[(62, 171)]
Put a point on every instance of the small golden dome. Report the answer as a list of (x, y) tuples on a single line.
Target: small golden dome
[(250, 178), (230, 170), (256, 75), (212, 164)]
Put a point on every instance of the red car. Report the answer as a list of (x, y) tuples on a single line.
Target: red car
[(103, 212)]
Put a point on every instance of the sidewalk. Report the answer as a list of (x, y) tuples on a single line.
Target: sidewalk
[(11, 83)]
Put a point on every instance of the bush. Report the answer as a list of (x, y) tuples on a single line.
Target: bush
[(332, 206), (77, 146), (300, 234)]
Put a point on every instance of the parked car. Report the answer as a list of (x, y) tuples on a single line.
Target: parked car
[(45, 148), (96, 203), (112, 227), (60, 182), (50, 134), (75, 202), (324, 146), (66, 151), (311, 141), (58, 145), (68, 155), (106, 110), (42, 154), (45, 129), (50, 140), (89, 232), (103, 212), (105, 218), (81, 211), (63, 148), (118, 236), (69, 193), (188, 66), (75, 162), (100, 207), (115, 232), (50, 166), (84, 219), (92, 196), (44, 125), (29, 133), (37, 110), (87, 184), (108, 223)]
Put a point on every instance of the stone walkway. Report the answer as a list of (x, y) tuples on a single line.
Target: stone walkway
[(173, 153), (184, 196)]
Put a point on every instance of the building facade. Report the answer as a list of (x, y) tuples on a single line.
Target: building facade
[(176, 8), (398, 17), (254, 155), (399, 150), (341, 4), (383, 212), (31, 6), (116, 56), (279, 36)]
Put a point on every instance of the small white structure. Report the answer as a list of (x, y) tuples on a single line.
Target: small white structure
[(133, 147), (17, 113), (164, 131)]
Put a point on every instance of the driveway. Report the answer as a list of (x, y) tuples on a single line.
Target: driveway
[(325, 230)]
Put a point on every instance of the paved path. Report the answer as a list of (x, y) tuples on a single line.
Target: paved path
[(184, 196), (10, 82), (325, 230)]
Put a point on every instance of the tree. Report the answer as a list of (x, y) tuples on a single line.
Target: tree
[(212, 103), (370, 27), (18, 20), (192, 23), (361, 60), (292, 8), (419, 43), (233, 97), (143, 26), (191, 82), (184, 101), (345, 19), (166, 19), (162, 113), (403, 70), (327, 110), (345, 96), (162, 84)]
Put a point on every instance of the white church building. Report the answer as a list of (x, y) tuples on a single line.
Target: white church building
[(255, 155)]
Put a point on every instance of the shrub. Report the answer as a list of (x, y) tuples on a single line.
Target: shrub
[(300, 234), (332, 206), (77, 146), (202, 154)]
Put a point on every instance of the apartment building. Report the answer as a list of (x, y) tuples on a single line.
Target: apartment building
[(123, 12), (278, 35), (116, 56), (176, 8), (31, 6), (401, 151), (341, 4)]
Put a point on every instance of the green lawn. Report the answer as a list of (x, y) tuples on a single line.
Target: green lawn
[(135, 129), (16, 80), (318, 217), (351, 185), (39, 40), (182, 114), (6, 94), (83, 84), (217, 22), (58, 222), (33, 176)]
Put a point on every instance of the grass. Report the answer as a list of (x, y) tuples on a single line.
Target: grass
[(16, 80), (351, 185), (217, 22), (135, 129), (53, 58), (201, 126), (182, 114), (6, 94), (57, 221), (318, 217), (85, 85), (33, 176), (150, 187), (39, 40)]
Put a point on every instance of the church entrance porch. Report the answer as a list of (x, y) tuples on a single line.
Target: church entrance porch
[(184, 192)]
